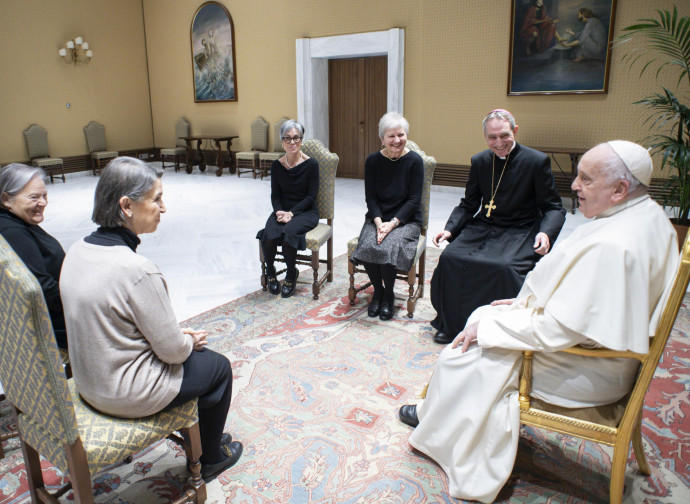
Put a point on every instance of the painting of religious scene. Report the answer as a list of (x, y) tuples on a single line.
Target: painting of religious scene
[(213, 54), (560, 46)]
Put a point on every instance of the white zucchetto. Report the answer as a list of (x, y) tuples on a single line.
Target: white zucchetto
[(636, 159)]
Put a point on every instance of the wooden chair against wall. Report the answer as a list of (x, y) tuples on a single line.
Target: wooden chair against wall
[(323, 232), (37, 145), (615, 424), (52, 418), (95, 141), (8, 435), (416, 275), (266, 158), (249, 160), (180, 150)]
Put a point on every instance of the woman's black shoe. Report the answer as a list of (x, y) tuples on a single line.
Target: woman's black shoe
[(386, 312), (374, 307), (233, 452), (289, 286), (273, 285)]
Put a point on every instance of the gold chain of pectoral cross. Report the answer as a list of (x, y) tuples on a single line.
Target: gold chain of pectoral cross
[(491, 205)]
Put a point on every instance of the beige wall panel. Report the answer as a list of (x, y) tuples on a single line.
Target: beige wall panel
[(36, 83), (456, 68)]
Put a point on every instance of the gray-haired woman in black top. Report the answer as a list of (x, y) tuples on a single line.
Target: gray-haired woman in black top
[(393, 180)]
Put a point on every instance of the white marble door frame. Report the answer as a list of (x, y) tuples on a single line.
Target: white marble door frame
[(312, 72)]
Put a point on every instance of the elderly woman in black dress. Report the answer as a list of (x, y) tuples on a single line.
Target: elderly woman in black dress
[(24, 199), (393, 180), (294, 185)]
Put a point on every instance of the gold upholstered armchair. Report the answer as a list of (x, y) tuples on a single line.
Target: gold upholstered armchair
[(37, 145), (95, 141), (266, 158), (615, 424), (249, 160), (52, 419), (180, 150), (323, 232), (416, 275)]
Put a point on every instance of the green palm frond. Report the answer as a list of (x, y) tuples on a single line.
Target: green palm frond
[(664, 44), (669, 36)]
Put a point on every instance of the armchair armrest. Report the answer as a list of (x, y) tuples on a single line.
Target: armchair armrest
[(525, 385)]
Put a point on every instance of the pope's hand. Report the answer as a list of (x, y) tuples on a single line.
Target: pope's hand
[(466, 337)]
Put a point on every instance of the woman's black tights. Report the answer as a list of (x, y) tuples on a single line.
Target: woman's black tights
[(382, 277), (270, 248)]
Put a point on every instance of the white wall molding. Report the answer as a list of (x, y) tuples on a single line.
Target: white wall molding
[(312, 55)]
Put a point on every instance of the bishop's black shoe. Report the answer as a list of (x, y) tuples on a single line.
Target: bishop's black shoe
[(408, 415), (442, 338)]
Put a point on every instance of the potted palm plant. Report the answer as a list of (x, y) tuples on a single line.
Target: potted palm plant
[(663, 45)]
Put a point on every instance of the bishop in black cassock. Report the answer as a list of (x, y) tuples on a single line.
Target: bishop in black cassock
[(507, 203)]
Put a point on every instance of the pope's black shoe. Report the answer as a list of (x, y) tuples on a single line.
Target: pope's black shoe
[(289, 286), (408, 415), (273, 285), (443, 338)]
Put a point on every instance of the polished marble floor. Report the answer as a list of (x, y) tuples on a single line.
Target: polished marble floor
[(205, 245)]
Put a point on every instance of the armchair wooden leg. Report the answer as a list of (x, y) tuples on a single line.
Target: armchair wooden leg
[(329, 259), (192, 447), (34, 476), (411, 277), (316, 288), (264, 281), (618, 463), (639, 448), (79, 474), (421, 278), (351, 292)]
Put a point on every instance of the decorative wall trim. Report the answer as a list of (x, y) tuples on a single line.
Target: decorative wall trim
[(456, 176), (74, 164)]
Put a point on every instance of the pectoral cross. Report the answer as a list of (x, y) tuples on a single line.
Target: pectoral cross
[(490, 207)]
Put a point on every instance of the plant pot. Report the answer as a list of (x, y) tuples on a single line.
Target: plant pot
[(682, 231)]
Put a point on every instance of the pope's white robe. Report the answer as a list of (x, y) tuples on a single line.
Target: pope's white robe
[(605, 285)]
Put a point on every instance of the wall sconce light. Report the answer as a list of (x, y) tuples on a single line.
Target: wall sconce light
[(77, 51)]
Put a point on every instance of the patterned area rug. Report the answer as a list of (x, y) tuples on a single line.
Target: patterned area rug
[(317, 388)]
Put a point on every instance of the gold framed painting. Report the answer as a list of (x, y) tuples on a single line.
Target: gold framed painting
[(560, 46), (213, 54)]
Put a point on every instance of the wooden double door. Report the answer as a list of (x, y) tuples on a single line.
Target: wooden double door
[(356, 101)]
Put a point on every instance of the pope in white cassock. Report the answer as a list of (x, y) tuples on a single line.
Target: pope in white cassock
[(604, 285)]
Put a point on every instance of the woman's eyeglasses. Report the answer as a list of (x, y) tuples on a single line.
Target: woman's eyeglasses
[(295, 139)]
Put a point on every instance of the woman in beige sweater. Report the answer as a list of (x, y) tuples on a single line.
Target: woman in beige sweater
[(129, 356)]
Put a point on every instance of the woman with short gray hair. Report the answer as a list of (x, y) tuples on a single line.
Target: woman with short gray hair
[(393, 180), (133, 359), (294, 186), (24, 199)]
